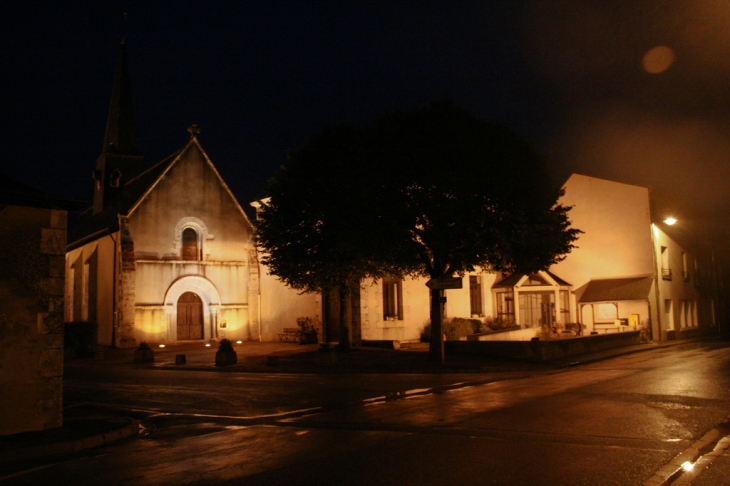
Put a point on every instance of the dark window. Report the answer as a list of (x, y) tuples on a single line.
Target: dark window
[(190, 250), (506, 306), (564, 307), (666, 271), (392, 299), (475, 295), (115, 178)]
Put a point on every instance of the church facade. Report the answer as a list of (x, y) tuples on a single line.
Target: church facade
[(164, 254)]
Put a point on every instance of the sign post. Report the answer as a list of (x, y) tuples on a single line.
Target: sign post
[(445, 283)]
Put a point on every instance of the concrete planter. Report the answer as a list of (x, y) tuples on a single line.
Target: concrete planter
[(144, 356), (225, 358), (308, 338)]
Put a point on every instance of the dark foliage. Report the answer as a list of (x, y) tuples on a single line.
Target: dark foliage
[(429, 192), (225, 346), (79, 339)]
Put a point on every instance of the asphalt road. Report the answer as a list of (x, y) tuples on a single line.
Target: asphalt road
[(617, 422)]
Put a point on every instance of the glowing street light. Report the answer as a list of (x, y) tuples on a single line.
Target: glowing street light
[(670, 221)]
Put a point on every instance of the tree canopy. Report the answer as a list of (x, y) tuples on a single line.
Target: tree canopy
[(314, 229), (428, 192)]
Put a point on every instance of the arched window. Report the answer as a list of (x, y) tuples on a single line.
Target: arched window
[(190, 249)]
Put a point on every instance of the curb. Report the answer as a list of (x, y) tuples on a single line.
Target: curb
[(594, 359), (73, 446)]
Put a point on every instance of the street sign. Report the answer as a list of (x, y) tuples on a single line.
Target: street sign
[(444, 283)]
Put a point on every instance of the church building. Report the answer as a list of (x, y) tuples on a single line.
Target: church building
[(164, 254)]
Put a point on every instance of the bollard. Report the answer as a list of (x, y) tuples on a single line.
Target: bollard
[(179, 359)]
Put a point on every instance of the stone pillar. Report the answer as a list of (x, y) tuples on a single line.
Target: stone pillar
[(125, 321), (253, 296)]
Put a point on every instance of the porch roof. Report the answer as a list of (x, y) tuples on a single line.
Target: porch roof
[(635, 288), (513, 279)]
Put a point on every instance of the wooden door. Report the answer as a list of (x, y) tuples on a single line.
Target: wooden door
[(189, 317)]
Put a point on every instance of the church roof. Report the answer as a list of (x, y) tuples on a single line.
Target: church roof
[(90, 226)]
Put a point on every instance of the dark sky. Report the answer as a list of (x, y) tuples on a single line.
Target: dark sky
[(259, 77)]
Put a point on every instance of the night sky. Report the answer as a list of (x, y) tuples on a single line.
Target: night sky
[(259, 77)]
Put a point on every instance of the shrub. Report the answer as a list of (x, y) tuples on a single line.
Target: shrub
[(496, 323), (143, 346), (454, 329), (225, 346), (79, 339), (307, 331)]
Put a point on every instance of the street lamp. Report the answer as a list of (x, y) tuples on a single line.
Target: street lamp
[(670, 221)]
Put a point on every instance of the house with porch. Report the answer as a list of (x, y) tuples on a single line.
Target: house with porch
[(631, 269)]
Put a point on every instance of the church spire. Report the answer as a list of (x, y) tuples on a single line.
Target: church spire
[(120, 161), (119, 137)]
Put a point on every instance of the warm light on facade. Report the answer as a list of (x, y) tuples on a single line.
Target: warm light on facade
[(670, 221), (162, 345)]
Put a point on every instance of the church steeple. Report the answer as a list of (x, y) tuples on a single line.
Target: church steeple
[(120, 160), (119, 137)]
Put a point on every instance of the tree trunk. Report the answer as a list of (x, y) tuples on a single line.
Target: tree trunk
[(344, 344), (436, 348)]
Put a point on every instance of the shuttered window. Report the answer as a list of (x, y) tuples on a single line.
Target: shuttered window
[(475, 295), (392, 299)]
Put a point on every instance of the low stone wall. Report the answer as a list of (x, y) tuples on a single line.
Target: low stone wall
[(690, 332), (382, 343), (544, 350), (508, 335)]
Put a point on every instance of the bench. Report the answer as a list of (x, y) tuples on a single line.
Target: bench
[(290, 334)]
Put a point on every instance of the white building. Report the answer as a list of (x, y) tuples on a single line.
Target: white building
[(629, 271)]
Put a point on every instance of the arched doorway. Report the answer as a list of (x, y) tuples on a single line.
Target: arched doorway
[(189, 317)]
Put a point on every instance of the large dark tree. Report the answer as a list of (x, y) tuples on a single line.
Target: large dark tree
[(431, 192), (314, 229)]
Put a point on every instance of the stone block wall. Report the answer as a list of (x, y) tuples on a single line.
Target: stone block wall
[(32, 248)]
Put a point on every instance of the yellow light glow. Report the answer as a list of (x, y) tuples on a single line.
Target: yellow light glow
[(688, 466), (670, 221), (239, 342), (207, 345), (162, 345), (658, 59)]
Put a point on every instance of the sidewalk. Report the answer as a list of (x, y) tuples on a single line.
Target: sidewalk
[(84, 432)]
